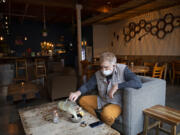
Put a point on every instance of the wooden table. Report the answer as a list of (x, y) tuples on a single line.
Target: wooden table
[(161, 114), (22, 91), (38, 121)]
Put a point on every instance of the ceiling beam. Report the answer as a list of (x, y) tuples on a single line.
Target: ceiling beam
[(47, 3), (20, 15), (51, 3), (122, 8)]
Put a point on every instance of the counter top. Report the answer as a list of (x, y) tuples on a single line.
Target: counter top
[(15, 57)]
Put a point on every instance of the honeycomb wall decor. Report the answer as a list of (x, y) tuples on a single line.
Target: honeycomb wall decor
[(160, 29)]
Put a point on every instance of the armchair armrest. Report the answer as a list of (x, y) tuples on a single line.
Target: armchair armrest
[(153, 92)]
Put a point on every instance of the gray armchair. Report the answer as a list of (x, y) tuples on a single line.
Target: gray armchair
[(153, 92)]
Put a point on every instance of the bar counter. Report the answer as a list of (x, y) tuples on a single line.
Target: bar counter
[(12, 58)]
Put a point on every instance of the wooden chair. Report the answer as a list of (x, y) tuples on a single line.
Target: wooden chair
[(176, 70), (158, 71), (119, 60), (122, 61), (138, 62), (94, 60), (151, 66), (89, 73), (21, 70), (84, 66), (40, 68)]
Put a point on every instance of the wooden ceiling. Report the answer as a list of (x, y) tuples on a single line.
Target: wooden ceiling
[(131, 9), (94, 11), (56, 10)]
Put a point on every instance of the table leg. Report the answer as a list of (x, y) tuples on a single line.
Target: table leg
[(157, 129), (161, 124), (146, 122), (173, 130)]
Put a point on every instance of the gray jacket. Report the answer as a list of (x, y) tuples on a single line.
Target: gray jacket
[(105, 86)]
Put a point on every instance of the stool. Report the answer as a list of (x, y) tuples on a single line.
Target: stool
[(161, 114), (21, 70), (40, 68)]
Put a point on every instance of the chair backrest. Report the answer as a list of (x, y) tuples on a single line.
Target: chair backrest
[(151, 66), (40, 66), (138, 62), (21, 64), (84, 65), (158, 71), (176, 67), (40, 62)]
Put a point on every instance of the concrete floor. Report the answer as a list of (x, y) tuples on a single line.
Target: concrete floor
[(10, 123), (172, 100)]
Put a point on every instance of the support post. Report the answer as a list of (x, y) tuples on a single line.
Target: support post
[(78, 18)]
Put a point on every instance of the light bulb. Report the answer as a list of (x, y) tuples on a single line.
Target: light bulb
[(1, 38)]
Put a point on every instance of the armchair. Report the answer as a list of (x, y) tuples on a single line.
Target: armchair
[(153, 92)]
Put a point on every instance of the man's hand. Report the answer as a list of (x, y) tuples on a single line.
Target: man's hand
[(73, 96), (113, 90)]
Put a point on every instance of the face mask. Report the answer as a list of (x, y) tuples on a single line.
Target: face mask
[(107, 72)]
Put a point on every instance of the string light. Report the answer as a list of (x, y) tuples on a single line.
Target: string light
[(44, 32), (1, 38), (84, 43), (3, 1), (47, 45)]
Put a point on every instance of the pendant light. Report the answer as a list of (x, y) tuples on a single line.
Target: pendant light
[(44, 32)]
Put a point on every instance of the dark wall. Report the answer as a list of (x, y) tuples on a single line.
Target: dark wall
[(87, 34), (33, 32)]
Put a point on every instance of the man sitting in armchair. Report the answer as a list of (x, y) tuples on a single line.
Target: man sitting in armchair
[(110, 81)]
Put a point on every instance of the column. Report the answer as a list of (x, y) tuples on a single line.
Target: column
[(78, 18)]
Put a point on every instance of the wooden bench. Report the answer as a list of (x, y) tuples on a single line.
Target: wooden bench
[(162, 114)]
